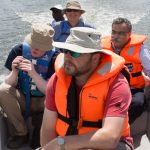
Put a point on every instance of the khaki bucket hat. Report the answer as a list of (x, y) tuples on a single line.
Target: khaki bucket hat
[(74, 4), (41, 37)]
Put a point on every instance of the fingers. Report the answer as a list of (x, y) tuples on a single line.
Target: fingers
[(16, 62), (27, 66)]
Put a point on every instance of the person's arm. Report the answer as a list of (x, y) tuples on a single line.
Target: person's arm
[(105, 138), (109, 135), (27, 66), (11, 63), (12, 78), (48, 127), (145, 61), (57, 29)]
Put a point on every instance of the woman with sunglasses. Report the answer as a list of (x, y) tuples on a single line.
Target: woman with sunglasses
[(73, 12)]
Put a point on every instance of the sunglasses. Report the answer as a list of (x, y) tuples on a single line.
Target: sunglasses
[(73, 54), (72, 10)]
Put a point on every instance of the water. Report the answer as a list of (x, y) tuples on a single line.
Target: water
[(17, 16)]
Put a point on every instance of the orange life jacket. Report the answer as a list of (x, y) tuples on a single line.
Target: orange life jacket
[(91, 99), (131, 54)]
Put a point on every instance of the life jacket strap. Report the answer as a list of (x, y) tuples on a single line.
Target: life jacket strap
[(74, 123), (133, 91), (137, 74)]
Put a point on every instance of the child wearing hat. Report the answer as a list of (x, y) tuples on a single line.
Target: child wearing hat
[(22, 93)]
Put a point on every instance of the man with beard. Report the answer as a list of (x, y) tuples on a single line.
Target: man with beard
[(22, 93), (137, 57), (86, 106)]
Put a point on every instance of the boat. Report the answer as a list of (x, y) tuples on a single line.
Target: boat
[(140, 128)]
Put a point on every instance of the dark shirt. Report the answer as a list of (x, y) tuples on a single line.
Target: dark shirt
[(17, 51)]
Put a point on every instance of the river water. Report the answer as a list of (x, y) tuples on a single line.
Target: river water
[(17, 16)]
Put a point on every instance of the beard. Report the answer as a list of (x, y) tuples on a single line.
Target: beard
[(71, 69)]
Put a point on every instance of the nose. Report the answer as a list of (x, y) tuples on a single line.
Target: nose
[(115, 35)]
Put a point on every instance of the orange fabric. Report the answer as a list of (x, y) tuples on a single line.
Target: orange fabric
[(131, 55), (92, 94)]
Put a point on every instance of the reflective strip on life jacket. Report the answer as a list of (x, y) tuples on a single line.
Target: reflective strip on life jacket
[(25, 83), (131, 54)]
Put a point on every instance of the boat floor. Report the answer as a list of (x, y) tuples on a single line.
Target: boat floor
[(145, 144)]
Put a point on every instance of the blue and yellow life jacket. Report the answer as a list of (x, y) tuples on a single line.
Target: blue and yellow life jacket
[(25, 82), (41, 66)]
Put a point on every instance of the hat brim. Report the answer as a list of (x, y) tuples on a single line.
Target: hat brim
[(53, 8), (37, 45), (77, 48), (82, 11)]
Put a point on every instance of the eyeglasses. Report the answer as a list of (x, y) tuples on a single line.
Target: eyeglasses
[(121, 33), (73, 54), (72, 10)]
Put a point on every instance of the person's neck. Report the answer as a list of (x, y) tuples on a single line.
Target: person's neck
[(59, 19), (73, 23)]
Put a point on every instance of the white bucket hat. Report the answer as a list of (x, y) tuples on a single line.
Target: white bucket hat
[(82, 40), (58, 6)]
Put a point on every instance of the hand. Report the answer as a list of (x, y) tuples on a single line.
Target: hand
[(146, 78), (53, 145), (27, 66), (16, 62)]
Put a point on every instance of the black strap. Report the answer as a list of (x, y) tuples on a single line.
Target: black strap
[(69, 121), (72, 108), (126, 74), (92, 124), (74, 123), (133, 91), (137, 74)]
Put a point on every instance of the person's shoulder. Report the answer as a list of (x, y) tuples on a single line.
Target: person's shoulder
[(86, 24), (52, 81), (121, 78), (120, 82), (58, 24), (120, 88), (17, 48), (55, 53)]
